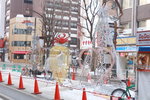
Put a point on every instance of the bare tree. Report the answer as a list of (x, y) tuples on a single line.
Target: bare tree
[(50, 26), (89, 15), (89, 10)]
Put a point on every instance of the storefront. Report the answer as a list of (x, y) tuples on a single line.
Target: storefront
[(143, 65), (21, 56), (126, 57)]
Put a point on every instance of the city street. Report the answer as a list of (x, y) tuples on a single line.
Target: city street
[(68, 90), (74, 49), (10, 93)]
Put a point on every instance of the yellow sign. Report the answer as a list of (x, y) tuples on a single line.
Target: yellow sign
[(126, 40)]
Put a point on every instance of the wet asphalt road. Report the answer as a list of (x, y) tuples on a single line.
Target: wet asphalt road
[(8, 93)]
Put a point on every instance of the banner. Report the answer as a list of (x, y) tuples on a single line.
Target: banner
[(143, 61)]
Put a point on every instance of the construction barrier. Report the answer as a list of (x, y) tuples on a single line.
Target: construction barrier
[(57, 92), (13, 68)]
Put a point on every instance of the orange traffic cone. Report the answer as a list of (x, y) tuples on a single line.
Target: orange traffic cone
[(84, 95), (21, 83), (36, 88), (1, 78), (57, 94), (73, 75), (89, 78), (129, 82), (9, 80)]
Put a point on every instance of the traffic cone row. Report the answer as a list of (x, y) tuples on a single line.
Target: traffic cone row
[(36, 88)]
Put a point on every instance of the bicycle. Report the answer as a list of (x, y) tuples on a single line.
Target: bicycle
[(122, 94)]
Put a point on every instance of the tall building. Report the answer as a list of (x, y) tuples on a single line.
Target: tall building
[(2, 17), (66, 15), (14, 7)]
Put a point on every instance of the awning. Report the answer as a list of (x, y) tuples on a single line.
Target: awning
[(21, 52), (144, 49)]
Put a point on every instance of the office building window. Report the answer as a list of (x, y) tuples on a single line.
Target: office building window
[(28, 1), (73, 25), (73, 41), (127, 4), (23, 31), (21, 43), (143, 2)]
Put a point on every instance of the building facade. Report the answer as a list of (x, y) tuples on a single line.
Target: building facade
[(2, 17), (135, 10), (66, 14), (67, 18), (21, 39), (135, 19), (14, 7)]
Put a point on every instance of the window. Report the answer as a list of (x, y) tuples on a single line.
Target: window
[(144, 24), (66, 1), (75, 9), (73, 41), (73, 25), (21, 43), (143, 2), (127, 4), (28, 1), (19, 56), (22, 31)]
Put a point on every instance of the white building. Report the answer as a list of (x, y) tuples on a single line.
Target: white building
[(2, 17)]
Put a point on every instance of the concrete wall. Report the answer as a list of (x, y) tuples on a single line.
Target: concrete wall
[(142, 13)]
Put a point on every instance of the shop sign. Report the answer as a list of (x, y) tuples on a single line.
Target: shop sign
[(143, 39), (27, 22), (126, 48), (2, 43)]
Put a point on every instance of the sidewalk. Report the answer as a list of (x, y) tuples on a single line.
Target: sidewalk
[(70, 91)]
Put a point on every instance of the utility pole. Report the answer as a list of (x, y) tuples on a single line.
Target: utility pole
[(34, 48)]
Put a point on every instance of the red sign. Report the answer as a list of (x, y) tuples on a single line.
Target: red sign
[(1, 43), (26, 21)]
